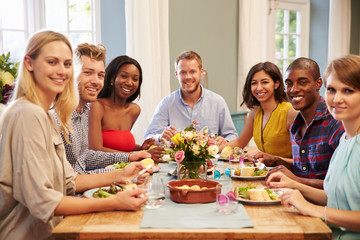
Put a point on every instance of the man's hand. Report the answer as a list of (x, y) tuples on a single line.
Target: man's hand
[(268, 159), (221, 142), (156, 153), (285, 171), (139, 155), (148, 143), (168, 133)]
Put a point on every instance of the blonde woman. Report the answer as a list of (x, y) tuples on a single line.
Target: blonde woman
[(36, 180)]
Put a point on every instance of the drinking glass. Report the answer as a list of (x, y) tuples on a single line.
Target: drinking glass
[(226, 202), (155, 192)]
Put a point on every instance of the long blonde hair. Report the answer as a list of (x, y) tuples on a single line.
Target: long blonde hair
[(66, 101)]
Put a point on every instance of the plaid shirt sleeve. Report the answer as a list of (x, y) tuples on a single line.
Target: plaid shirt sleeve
[(83, 159)]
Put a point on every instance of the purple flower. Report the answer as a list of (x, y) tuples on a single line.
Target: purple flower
[(179, 156)]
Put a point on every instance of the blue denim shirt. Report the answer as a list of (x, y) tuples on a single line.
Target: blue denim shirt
[(210, 110)]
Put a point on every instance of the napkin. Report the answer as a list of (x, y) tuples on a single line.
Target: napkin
[(179, 215)]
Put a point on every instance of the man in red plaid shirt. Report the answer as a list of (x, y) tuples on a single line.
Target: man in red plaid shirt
[(314, 134)]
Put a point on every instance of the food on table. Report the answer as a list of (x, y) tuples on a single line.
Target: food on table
[(166, 157), (232, 153), (247, 171), (226, 152), (107, 192), (120, 165), (258, 195), (113, 190), (147, 161), (193, 187), (252, 192)]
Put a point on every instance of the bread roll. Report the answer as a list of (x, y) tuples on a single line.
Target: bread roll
[(265, 195), (255, 194), (247, 171)]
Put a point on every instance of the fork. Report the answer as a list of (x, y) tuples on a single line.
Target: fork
[(134, 180)]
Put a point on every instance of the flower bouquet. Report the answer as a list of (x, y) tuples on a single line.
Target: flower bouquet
[(192, 149), (8, 71)]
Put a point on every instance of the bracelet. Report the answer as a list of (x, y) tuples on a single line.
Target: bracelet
[(324, 217)]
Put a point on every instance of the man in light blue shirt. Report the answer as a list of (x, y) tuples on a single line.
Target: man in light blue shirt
[(191, 102)]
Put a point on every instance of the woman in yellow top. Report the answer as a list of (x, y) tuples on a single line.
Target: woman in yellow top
[(270, 114)]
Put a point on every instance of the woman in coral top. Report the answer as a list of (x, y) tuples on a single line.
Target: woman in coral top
[(114, 113), (270, 114)]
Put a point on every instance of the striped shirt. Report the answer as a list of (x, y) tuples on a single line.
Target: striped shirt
[(81, 158), (313, 151)]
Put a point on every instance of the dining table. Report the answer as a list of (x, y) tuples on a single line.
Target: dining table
[(273, 221)]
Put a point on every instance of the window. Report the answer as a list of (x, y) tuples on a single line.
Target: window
[(20, 18), (288, 31)]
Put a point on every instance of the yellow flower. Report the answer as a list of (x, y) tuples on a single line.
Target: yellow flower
[(6, 78), (176, 138)]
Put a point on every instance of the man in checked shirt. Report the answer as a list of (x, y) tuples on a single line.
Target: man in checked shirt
[(314, 134), (89, 72)]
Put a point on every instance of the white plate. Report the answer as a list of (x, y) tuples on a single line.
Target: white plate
[(246, 177), (252, 202), (278, 192), (89, 193)]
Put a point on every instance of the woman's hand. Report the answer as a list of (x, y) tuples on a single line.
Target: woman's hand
[(130, 172), (148, 143), (156, 153), (130, 199), (293, 198), (279, 180)]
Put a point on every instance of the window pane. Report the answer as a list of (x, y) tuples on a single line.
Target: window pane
[(280, 65), (279, 51), (292, 45), (12, 14), (77, 38), (14, 43), (293, 22), (56, 14), (279, 20), (79, 15)]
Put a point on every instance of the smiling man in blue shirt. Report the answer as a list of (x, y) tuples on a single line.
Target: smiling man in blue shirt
[(191, 102)]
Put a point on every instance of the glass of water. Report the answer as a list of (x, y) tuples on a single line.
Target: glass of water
[(226, 202), (155, 192)]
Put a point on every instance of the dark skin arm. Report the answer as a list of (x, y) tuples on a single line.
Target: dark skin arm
[(316, 183)]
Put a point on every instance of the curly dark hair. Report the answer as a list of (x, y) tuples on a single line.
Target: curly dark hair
[(112, 71), (273, 71)]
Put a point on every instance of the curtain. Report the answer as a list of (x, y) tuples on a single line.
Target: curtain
[(252, 40), (339, 28), (147, 41)]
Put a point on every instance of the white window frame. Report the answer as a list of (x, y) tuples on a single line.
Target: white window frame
[(303, 6), (34, 12)]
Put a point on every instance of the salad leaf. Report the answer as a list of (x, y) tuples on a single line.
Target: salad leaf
[(120, 165)]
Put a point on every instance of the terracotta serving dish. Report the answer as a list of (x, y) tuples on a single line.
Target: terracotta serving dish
[(190, 195)]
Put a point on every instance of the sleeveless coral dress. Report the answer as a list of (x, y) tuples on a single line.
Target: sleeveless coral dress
[(118, 140)]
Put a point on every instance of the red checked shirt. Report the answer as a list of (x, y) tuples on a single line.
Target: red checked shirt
[(312, 152)]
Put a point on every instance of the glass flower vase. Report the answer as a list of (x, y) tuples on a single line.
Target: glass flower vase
[(192, 170)]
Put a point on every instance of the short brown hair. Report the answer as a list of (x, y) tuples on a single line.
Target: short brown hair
[(96, 52), (188, 55)]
